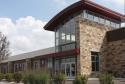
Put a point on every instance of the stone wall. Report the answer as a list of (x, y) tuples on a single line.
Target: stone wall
[(91, 38), (116, 57)]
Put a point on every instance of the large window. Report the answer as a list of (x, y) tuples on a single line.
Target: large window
[(36, 65), (50, 63), (65, 35), (19, 67), (66, 66), (95, 61), (100, 19)]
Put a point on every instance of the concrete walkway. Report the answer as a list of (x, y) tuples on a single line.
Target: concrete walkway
[(90, 81), (96, 81)]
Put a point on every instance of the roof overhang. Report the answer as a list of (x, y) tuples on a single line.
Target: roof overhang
[(116, 35), (81, 5)]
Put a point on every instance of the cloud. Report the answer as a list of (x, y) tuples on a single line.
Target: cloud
[(26, 34)]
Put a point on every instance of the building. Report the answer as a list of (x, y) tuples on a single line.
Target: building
[(89, 40)]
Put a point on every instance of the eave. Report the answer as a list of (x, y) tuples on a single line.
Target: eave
[(81, 5)]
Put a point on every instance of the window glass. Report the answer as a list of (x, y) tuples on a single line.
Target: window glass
[(96, 19), (57, 64), (65, 34), (90, 17), (72, 46), (57, 34), (72, 59), (63, 48), (95, 61), (50, 63), (85, 15), (113, 24), (107, 22), (72, 38), (63, 60), (101, 20), (68, 60), (68, 67), (63, 68), (57, 41), (67, 38), (63, 39), (117, 25), (57, 49)]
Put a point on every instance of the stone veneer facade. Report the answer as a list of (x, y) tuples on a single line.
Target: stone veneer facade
[(91, 36), (115, 56)]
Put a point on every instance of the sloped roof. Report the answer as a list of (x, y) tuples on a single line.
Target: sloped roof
[(80, 5), (30, 54)]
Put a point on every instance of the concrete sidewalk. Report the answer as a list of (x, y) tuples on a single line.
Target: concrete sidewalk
[(96, 81), (90, 81)]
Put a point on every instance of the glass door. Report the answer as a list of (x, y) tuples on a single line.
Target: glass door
[(69, 69)]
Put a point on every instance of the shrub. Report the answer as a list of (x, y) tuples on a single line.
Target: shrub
[(42, 78), (29, 79), (59, 79), (84, 79), (36, 78), (77, 80), (9, 77), (1, 76), (25, 79), (80, 79), (106, 79), (17, 77)]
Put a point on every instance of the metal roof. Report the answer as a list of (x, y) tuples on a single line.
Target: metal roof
[(81, 5), (30, 54)]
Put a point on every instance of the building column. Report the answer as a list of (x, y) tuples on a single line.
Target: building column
[(28, 64), (78, 65), (10, 67)]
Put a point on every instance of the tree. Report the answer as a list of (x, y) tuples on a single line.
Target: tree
[(4, 47)]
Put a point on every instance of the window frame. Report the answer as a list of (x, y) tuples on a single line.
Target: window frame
[(97, 66)]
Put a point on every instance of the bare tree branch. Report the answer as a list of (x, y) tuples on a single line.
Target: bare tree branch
[(4, 47)]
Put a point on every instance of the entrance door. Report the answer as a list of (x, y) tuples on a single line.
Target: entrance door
[(69, 70)]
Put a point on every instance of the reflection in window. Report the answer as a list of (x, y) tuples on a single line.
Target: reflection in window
[(57, 64), (96, 19), (68, 67), (90, 17), (65, 35), (35, 65), (100, 19), (117, 25), (72, 38), (113, 24), (50, 63), (85, 14), (107, 22)]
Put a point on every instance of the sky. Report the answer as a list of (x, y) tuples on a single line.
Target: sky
[(22, 21)]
